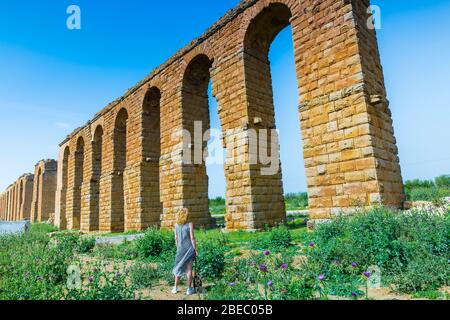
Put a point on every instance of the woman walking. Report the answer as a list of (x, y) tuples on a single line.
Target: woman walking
[(186, 251)]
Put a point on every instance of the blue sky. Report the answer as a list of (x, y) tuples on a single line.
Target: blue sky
[(53, 80)]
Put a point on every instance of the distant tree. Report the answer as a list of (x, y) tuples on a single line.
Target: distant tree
[(443, 181)]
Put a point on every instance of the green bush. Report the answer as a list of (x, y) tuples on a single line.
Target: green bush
[(154, 243), (143, 275), (410, 249), (86, 244), (280, 237), (443, 181), (428, 190), (296, 201), (217, 205), (32, 267), (98, 284), (211, 258)]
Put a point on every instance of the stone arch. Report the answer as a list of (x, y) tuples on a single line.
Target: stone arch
[(79, 156), (264, 27), (118, 208), (268, 207), (196, 121), (65, 185), (151, 152), (97, 159)]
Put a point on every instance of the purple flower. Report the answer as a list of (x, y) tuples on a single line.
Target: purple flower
[(321, 277), (367, 274), (354, 265), (231, 284), (118, 274), (91, 279), (94, 270), (267, 252), (270, 283), (312, 244), (263, 268), (284, 266), (355, 294)]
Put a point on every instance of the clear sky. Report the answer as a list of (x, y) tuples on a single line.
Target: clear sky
[(53, 80)]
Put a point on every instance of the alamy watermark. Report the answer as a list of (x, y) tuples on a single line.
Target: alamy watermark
[(73, 21)]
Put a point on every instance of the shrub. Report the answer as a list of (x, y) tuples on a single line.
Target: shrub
[(443, 181), (98, 284), (410, 249), (143, 275), (32, 267), (154, 243), (296, 201), (264, 277), (86, 244), (280, 237), (211, 258)]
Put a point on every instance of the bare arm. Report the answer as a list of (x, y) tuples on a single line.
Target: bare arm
[(194, 242)]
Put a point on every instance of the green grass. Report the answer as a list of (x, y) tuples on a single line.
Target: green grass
[(428, 190), (294, 202)]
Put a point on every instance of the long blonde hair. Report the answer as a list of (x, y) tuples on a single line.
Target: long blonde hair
[(182, 216)]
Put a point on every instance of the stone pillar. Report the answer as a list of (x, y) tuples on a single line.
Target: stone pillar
[(27, 196), (349, 146), (44, 190)]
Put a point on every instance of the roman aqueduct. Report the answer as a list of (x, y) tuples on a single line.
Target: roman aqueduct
[(125, 169)]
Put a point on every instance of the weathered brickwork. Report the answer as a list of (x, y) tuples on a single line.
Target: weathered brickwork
[(15, 202), (44, 188), (124, 170)]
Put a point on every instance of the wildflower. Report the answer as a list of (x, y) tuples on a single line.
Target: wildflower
[(367, 274), (355, 294), (267, 252), (91, 279), (231, 284), (321, 277), (354, 265), (284, 266), (263, 268), (312, 244), (270, 283)]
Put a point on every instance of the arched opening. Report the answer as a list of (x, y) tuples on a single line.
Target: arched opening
[(215, 163), (196, 121), (268, 190), (151, 131), (78, 182), (118, 213), (64, 186), (97, 155)]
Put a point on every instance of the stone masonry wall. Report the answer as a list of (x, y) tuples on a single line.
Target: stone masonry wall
[(15, 201), (43, 201), (125, 170)]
